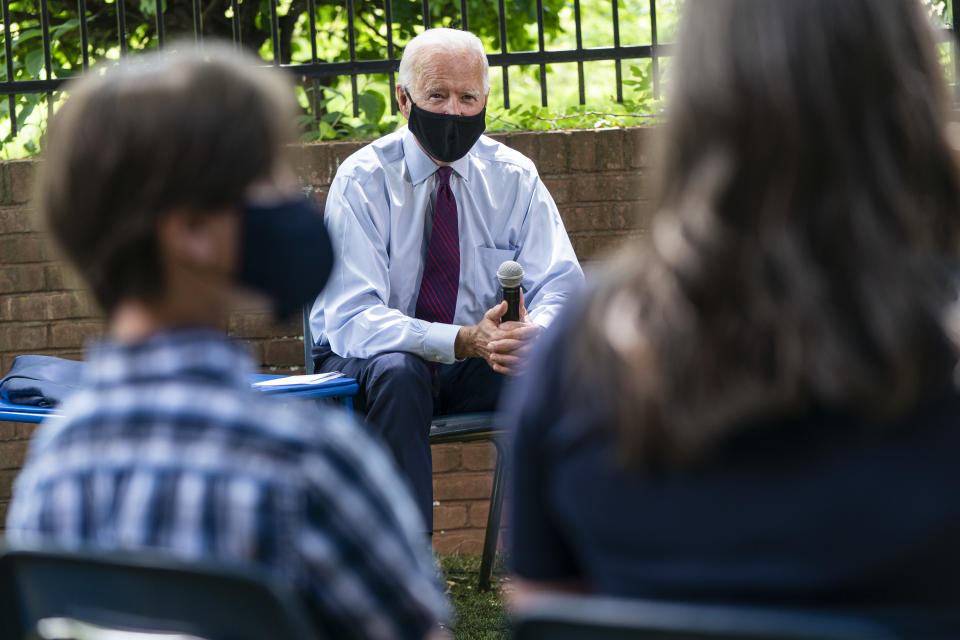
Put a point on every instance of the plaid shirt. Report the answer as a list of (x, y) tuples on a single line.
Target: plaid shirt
[(170, 449)]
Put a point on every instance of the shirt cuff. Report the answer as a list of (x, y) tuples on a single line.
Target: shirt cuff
[(439, 341), (542, 317)]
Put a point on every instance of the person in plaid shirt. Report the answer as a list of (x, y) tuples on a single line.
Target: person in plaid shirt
[(166, 185)]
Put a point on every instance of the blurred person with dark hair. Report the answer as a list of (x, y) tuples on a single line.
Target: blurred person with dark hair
[(756, 403), (166, 184)]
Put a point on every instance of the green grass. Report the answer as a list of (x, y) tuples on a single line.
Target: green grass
[(479, 614)]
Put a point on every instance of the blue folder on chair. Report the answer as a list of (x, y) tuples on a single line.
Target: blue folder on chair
[(41, 381), (35, 386)]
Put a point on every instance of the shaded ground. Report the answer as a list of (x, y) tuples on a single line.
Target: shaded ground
[(479, 615)]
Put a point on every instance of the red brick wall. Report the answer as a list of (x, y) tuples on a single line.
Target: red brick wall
[(598, 179)]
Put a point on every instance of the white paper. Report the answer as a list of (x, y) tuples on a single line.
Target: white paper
[(304, 380)]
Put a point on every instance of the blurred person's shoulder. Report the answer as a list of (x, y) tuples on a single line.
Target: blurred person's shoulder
[(338, 458), (322, 435), (306, 425), (184, 411)]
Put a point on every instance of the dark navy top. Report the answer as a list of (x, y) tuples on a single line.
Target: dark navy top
[(823, 510)]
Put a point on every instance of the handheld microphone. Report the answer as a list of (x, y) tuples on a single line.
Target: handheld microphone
[(510, 275)]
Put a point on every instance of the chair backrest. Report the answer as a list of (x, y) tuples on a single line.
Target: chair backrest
[(145, 592), (599, 618)]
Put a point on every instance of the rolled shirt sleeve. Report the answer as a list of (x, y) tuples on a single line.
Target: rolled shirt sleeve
[(359, 322)]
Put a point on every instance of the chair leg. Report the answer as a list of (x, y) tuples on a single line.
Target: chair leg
[(493, 519)]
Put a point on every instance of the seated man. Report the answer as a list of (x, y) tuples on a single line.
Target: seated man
[(165, 184), (420, 221)]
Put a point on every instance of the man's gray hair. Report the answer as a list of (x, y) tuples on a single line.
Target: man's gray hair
[(444, 40)]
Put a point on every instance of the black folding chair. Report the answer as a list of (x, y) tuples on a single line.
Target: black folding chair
[(564, 617), (43, 592), (461, 427)]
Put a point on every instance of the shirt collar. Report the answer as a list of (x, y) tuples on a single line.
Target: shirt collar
[(421, 166), (189, 354)]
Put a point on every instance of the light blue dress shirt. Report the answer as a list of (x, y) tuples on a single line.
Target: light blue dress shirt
[(378, 213)]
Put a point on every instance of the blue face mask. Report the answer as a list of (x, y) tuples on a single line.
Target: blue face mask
[(285, 253)]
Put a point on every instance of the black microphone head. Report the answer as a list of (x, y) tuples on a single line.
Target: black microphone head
[(510, 274)]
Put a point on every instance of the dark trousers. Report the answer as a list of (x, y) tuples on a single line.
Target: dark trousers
[(400, 393)]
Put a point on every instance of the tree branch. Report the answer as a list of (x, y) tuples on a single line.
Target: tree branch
[(597, 113)]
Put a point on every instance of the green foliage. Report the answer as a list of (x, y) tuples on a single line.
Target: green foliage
[(639, 106), (337, 121), (328, 102)]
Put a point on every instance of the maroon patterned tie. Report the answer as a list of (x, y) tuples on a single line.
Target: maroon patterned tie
[(437, 301)]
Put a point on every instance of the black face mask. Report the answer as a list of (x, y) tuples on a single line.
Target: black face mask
[(445, 137), (285, 253)]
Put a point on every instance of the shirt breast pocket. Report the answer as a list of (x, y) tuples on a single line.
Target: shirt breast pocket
[(488, 261)]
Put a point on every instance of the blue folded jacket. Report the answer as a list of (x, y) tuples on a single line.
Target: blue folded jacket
[(41, 381)]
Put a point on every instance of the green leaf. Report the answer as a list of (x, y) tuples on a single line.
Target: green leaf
[(65, 28), (335, 92), (64, 72), (311, 136), (327, 132), (332, 117), (24, 114), (26, 34), (148, 8), (34, 62), (372, 104)]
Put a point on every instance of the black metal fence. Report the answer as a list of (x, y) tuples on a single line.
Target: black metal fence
[(316, 68)]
